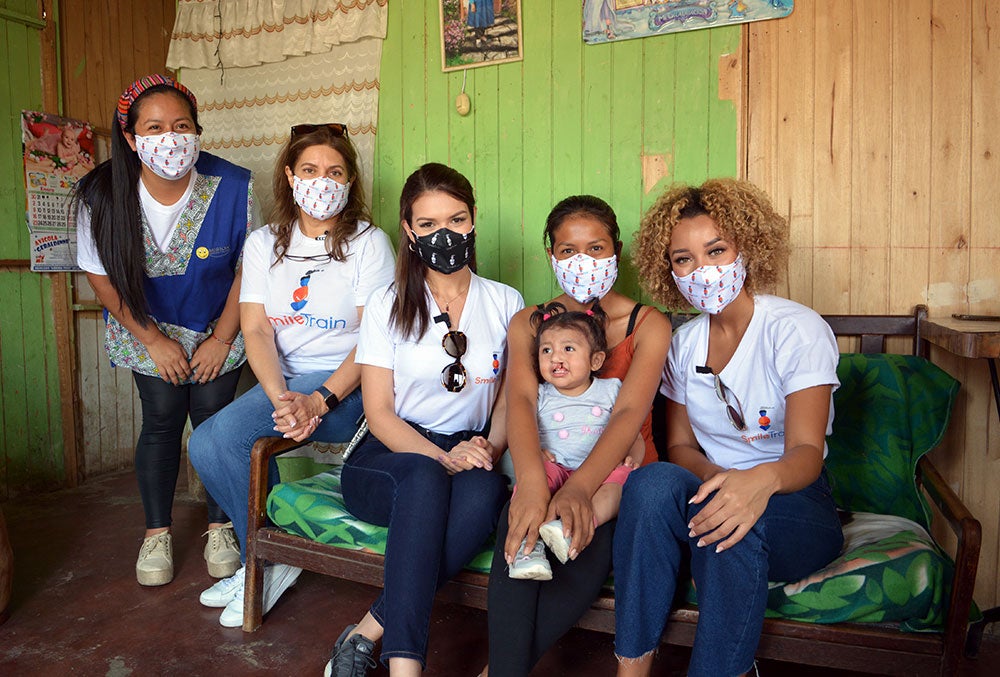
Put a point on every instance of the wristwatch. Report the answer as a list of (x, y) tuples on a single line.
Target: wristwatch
[(331, 400)]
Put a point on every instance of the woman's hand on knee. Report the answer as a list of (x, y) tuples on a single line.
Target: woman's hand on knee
[(575, 509), (741, 497)]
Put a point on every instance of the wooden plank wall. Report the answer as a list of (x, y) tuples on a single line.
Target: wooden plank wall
[(873, 126), (31, 444), (569, 119), (113, 44)]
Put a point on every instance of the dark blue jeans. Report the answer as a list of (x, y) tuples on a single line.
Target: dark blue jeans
[(437, 523), (797, 534), (220, 449)]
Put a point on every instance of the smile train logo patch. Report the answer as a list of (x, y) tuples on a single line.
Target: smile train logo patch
[(300, 297), (764, 421)]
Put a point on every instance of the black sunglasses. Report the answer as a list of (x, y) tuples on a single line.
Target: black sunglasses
[(336, 128), (453, 376), (735, 414)]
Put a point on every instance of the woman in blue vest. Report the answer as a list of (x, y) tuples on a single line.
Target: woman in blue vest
[(160, 229)]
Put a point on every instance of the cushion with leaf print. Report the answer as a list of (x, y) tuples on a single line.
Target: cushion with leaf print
[(314, 508), (890, 571), (890, 410)]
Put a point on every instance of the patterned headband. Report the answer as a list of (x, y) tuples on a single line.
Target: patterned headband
[(133, 91)]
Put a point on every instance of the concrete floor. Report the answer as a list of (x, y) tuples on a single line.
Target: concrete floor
[(78, 610)]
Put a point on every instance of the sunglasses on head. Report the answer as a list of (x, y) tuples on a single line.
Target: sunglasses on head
[(336, 128)]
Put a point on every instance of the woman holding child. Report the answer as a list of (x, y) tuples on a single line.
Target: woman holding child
[(749, 385), (433, 351), (306, 278), (527, 616)]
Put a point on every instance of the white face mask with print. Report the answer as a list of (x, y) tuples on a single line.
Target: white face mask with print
[(321, 198), (712, 288), (169, 155), (585, 278)]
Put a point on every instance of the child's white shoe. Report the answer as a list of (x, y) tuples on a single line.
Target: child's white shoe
[(552, 534), (533, 566)]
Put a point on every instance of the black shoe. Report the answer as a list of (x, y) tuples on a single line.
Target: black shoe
[(351, 657)]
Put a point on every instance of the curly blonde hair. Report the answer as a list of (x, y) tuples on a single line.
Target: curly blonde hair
[(744, 216)]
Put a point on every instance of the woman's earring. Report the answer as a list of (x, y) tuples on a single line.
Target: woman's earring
[(412, 248)]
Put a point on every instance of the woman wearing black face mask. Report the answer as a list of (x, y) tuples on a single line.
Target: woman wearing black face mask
[(432, 352)]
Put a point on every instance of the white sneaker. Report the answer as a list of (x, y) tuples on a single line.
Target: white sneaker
[(533, 566), (552, 534), (277, 579), (222, 552), (224, 591), (155, 565)]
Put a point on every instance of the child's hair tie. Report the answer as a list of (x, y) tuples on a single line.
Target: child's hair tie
[(545, 317), (589, 312)]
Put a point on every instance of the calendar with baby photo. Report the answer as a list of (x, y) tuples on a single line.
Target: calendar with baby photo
[(57, 152)]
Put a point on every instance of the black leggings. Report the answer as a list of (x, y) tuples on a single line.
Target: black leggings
[(527, 617), (165, 409)]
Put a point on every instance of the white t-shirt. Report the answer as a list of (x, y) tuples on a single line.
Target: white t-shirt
[(417, 365), (786, 348), (162, 220), (312, 305)]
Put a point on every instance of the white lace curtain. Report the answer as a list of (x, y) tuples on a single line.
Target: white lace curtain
[(260, 66), (241, 33)]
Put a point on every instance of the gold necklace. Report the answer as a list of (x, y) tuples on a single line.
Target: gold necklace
[(447, 305)]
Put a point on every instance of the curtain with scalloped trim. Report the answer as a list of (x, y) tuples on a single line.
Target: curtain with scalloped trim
[(259, 67)]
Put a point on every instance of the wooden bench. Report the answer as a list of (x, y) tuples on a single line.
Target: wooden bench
[(850, 646)]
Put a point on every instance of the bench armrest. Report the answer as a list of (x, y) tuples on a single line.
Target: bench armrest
[(968, 531), (260, 457)]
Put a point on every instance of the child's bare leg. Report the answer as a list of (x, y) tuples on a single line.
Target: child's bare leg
[(606, 501)]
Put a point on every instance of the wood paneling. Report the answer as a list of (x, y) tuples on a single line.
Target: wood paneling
[(106, 46), (570, 118), (873, 126), (31, 444)]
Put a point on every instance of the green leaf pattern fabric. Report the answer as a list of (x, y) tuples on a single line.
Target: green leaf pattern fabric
[(890, 571), (314, 508), (890, 411)]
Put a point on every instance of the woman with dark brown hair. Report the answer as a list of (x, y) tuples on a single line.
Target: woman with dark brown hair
[(433, 355), (306, 278)]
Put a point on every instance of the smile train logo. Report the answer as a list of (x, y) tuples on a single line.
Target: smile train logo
[(300, 297)]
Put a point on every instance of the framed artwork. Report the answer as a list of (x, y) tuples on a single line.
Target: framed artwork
[(479, 33), (610, 20)]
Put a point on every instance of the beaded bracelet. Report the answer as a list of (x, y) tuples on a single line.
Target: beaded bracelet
[(225, 343)]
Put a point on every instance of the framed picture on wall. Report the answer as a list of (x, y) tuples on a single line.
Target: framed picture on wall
[(479, 33)]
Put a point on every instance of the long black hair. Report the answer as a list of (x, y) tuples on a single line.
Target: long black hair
[(409, 312), (111, 192)]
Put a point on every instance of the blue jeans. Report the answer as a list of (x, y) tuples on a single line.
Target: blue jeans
[(437, 524), (220, 447), (798, 534)]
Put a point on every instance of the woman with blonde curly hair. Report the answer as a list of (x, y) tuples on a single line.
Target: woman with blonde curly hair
[(749, 387)]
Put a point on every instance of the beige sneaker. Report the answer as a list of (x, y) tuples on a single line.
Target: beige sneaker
[(222, 553), (155, 565)]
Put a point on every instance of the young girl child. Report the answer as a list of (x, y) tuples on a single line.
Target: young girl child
[(573, 410)]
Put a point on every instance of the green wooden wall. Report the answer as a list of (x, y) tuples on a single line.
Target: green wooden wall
[(568, 119), (31, 447)]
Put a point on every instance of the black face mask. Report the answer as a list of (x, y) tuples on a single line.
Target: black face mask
[(444, 250)]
